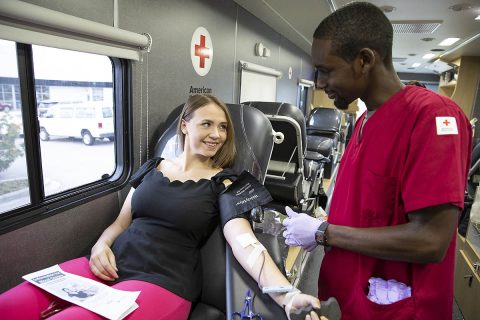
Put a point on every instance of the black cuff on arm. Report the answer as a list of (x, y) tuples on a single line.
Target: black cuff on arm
[(244, 194)]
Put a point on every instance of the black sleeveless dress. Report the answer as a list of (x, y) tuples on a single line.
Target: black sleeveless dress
[(171, 220)]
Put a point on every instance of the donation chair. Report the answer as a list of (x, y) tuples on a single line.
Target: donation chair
[(324, 135), (254, 142), (473, 180), (294, 175)]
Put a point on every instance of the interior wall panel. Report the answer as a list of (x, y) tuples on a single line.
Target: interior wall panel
[(171, 24)]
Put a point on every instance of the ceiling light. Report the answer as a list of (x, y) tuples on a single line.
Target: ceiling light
[(478, 17), (416, 64), (460, 7), (388, 9), (448, 42), (429, 56), (416, 26), (427, 39)]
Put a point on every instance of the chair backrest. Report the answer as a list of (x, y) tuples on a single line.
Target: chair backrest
[(283, 110), (254, 143), (324, 120), (289, 120)]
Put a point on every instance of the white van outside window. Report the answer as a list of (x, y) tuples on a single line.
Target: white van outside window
[(88, 120)]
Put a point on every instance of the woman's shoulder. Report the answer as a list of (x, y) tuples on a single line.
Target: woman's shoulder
[(226, 173), (137, 177)]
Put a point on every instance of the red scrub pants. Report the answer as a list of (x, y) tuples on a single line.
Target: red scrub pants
[(26, 301)]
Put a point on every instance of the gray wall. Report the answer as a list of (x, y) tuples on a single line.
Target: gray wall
[(169, 74)]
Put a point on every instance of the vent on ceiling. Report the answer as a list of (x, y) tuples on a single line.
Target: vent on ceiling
[(416, 26), (398, 59)]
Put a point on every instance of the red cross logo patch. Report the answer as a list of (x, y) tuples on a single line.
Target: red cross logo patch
[(201, 51), (446, 125)]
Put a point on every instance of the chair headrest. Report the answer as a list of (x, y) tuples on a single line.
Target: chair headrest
[(282, 109), (325, 119), (253, 140)]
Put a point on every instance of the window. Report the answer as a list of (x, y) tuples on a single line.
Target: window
[(304, 99), (74, 144), (14, 190), (258, 83), (42, 93)]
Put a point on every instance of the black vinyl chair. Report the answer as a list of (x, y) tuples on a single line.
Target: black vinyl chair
[(294, 175), (324, 135), (254, 143), (473, 179)]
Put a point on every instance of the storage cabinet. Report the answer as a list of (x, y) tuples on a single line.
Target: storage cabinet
[(467, 274), (464, 89)]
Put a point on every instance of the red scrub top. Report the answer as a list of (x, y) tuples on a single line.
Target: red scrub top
[(414, 152)]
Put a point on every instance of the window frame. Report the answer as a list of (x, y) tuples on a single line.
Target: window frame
[(42, 206)]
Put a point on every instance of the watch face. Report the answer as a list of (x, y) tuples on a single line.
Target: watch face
[(320, 235)]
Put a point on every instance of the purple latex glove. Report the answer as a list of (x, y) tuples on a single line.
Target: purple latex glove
[(301, 229), (387, 291)]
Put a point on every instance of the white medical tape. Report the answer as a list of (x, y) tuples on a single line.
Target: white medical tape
[(246, 240), (257, 251)]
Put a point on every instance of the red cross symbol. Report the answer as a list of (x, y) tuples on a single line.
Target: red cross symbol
[(202, 52), (446, 122)]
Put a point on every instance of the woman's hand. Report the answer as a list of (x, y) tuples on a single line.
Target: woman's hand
[(303, 301), (102, 262)]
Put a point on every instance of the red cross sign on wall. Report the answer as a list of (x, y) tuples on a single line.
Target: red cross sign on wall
[(201, 51)]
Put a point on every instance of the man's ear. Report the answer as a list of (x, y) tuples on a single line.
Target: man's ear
[(366, 60)]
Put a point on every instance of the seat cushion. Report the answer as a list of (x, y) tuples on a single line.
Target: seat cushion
[(322, 145), (287, 191), (314, 156)]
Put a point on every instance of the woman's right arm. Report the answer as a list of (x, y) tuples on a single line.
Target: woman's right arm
[(102, 259)]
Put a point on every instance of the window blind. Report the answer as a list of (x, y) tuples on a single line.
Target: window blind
[(27, 23)]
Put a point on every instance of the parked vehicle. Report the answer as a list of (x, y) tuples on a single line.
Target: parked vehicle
[(5, 107), (85, 120), (44, 105)]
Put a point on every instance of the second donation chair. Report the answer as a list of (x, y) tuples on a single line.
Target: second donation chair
[(324, 135), (294, 175)]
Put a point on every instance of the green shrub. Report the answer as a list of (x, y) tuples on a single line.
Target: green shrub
[(9, 132)]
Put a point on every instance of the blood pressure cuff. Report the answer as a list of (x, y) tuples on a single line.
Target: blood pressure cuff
[(244, 194)]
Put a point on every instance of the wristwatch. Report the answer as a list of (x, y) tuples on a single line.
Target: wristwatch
[(321, 234)]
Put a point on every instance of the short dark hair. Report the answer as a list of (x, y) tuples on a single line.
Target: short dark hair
[(415, 83), (225, 157), (355, 26)]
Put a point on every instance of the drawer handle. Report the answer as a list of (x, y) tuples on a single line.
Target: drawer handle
[(470, 279)]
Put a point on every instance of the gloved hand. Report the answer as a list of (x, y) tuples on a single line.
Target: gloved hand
[(301, 229)]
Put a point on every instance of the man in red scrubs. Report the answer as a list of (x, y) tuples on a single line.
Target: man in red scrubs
[(390, 235)]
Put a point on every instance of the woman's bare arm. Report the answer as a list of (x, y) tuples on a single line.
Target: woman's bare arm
[(102, 260), (264, 270)]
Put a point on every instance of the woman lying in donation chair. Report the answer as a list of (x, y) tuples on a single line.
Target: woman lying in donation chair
[(173, 206)]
